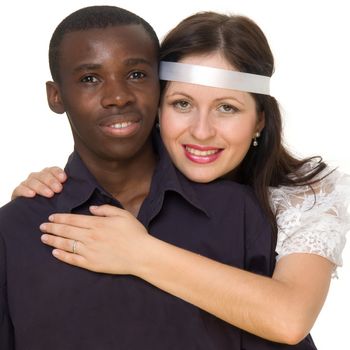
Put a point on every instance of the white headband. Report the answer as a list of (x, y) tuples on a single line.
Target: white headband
[(214, 77)]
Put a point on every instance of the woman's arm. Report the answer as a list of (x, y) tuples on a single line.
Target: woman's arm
[(282, 308)]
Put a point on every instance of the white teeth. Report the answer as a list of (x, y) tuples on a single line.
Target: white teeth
[(197, 152), (121, 125)]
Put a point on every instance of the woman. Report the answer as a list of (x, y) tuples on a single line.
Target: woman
[(213, 130)]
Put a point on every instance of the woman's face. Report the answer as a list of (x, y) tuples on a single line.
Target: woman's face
[(207, 131)]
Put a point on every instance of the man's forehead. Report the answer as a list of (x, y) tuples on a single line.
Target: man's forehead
[(128, 38), (128, 32)]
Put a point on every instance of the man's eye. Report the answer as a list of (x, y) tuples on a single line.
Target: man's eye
[(137, 75), (89, 79)]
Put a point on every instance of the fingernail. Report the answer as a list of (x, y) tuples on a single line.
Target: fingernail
[(62, 176), (44, 238), (51, 217), (56, 253), (56, 186), (93, 207), (42, 227), (48, 192)]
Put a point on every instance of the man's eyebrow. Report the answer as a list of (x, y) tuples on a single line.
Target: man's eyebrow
[(87, 66), (128, 62), (136, 61)]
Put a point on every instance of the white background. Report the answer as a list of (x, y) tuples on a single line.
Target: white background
[(310, 41)]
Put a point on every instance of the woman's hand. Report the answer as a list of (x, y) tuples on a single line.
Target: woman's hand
[(46, 182), (112, 241)]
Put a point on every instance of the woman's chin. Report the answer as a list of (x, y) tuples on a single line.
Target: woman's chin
[(201, 176)]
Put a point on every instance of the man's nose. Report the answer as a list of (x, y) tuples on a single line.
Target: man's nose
[(117, 92)]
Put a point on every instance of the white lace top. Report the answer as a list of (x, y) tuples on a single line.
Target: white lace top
[(313, 221)]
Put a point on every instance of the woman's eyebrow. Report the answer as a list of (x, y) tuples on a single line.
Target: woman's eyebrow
[(229, 97), (179, 93)]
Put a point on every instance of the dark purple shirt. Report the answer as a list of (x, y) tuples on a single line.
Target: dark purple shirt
[(46, 304)]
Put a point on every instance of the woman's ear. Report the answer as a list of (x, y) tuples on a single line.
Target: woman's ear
[(261, 122), (54, 97)]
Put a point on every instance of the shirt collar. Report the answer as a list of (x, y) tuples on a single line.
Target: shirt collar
[(168, 178), (81, 184)]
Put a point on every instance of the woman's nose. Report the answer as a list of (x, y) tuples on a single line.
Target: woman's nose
[(202, 127)]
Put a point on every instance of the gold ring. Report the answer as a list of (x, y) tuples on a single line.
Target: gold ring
[(74, 248)]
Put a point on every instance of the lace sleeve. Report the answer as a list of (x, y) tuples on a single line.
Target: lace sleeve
[(315, 221)]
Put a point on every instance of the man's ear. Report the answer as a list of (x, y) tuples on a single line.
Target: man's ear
[(54, 97)]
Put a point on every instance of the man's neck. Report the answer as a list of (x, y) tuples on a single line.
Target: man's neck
[(129, 181)]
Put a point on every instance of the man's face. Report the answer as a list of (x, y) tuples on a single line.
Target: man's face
[(109, 89)]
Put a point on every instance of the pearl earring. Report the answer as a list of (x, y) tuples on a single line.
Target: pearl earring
[(255, 141)]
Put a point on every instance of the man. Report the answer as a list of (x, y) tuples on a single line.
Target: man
[(104, 63)]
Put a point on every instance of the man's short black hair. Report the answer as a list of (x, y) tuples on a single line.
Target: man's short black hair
[(89, 18)]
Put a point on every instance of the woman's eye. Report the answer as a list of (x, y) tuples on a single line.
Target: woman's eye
[(137, 75), (181, 105), (89, 79), (226, 108)]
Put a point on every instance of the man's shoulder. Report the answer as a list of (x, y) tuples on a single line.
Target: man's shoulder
[(26, 209), (23, 203), (225, 190), (226, 197)]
